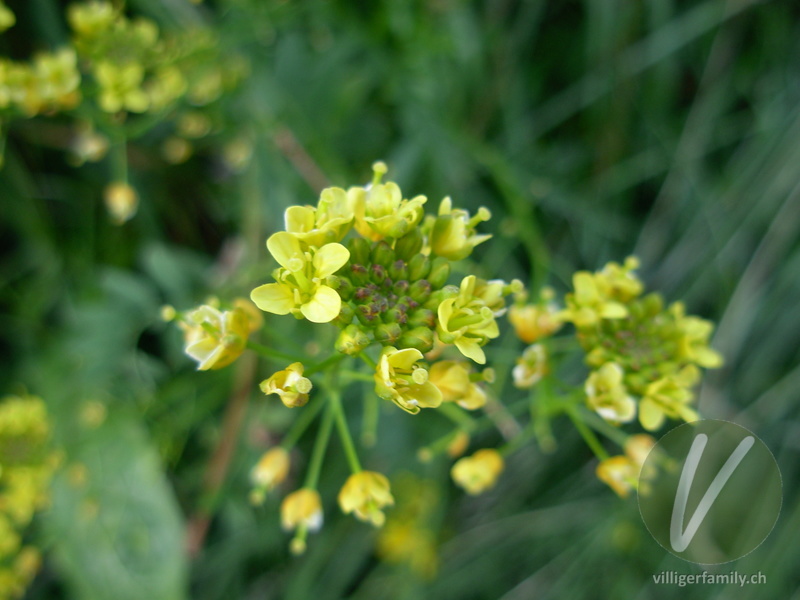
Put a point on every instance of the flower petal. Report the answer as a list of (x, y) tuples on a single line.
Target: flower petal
[(284, 246), (299, 219), (650, 414), (329, 259), (404, 359), (323, 307), (276, 298), (471, 349)]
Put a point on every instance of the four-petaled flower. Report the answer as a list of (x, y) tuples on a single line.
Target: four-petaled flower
[(467, 322), (365, 493), (301, 288), (398, 378)]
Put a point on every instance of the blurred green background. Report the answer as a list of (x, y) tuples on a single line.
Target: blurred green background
[(592, 130)]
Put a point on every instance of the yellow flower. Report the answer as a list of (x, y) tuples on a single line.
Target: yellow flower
[(365, 493), (589, 303), (466, 321), (290, 385), (328, 222), (458, 445), (479, 472), (398, 378), (7, 18), (380, 210), (165, 87), (91, 18), (403, 541), (453, 378), (121, 87), (619, 282), (57, 77), (453, 231), (621, 473), (607, 395), (302, 508), (532, 322), (121, 201), (693, 339), (215, 338), (271, 469), (301, 289), (669, 396), (531, 367)]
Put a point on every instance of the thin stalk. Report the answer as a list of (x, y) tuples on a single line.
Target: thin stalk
[(318, 453), (587, 435), (344, 433), (300, 425)]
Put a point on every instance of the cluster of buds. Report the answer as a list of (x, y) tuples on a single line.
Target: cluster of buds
[(645, 357), (27, 467)]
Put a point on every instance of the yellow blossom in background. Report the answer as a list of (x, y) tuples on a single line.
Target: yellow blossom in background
[(530, 367), (458, 445), (453, 231), (328, 222), (290, 385), (302, 508), (365, 493), (606, 394), (270, 470), (121, 201), (58, 78), (215, 338), (121, 87), (669, 396), (532, 322), (404, 541), (621, 473), (87, 145), (91, 18), (619, 282), (467, 322), (398, 378), (301, 289), (165, 86), (479, 472), (589, 303), (454, 380), (380, 210), (7, 18), (693, 339)]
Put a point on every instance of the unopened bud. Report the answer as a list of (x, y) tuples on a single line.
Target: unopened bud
[(382, 254), (398, 270), (440, 272), (409, 245), (388, 333), (352, 340), (359, 251), (418, 267), (420, 290), (420, 338)]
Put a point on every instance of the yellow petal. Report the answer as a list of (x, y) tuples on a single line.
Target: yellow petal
[(471, 349), (427, 395), (404, 359), (650, 415), (276, 298), (613, 310), (284, 247), (329, 259), (323, 307), (299, 219), (205, 352)]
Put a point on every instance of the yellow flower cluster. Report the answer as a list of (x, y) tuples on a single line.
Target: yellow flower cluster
[(48, 83), (387, 285), (26, 467), (644, 357), (621, 473)]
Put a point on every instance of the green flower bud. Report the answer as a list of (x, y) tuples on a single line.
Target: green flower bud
[(398, 270), (359, 275), (400, 287), (409, 245), (420, 338), (359, 251), (346, 314), (377, 273), (395, 315), (440, 271), (352, 340), (422, 317), (438, 296), (388, 333), (342, 285), (420, 290), (382, 254), (367, 315), (418, 267)]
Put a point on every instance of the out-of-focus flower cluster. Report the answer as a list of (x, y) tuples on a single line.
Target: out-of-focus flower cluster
[(26, 467)]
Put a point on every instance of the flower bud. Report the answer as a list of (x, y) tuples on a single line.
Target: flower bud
[(422, 317), (420, 290), (420, 338), (409, 245), (352, 340), (121, 202), (418, 267), (398, 270), (359, 251), (346, 315), (359, 276), (388, 333), (382, 254), (440, 271), (342, 285), (378, 273), (400, 287)]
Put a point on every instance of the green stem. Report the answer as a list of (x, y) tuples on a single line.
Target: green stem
[(300, 425), (368, 360), (457, 416), (600, 425), (587, 434), (369, 423), (267, 352), (344, 432), (330, 361), (318, 454)]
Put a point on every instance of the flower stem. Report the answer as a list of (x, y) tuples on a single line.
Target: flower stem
[(267, 352), (300, 425), (587, 434), (318, 453), (457, 416), (369, 423), (344, 433), (328, 362)]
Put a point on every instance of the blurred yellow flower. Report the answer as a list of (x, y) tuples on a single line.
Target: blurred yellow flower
[(270, 470), (479, 472), (606, 394), (121, 201), (7, 18), (621, 473), (669, 396), (302, 508), (328, 222), (453, 231), (290, 385), (121, 87), (215, 338), (365, 493), (589, 303), (530, 367), (532, 322)]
